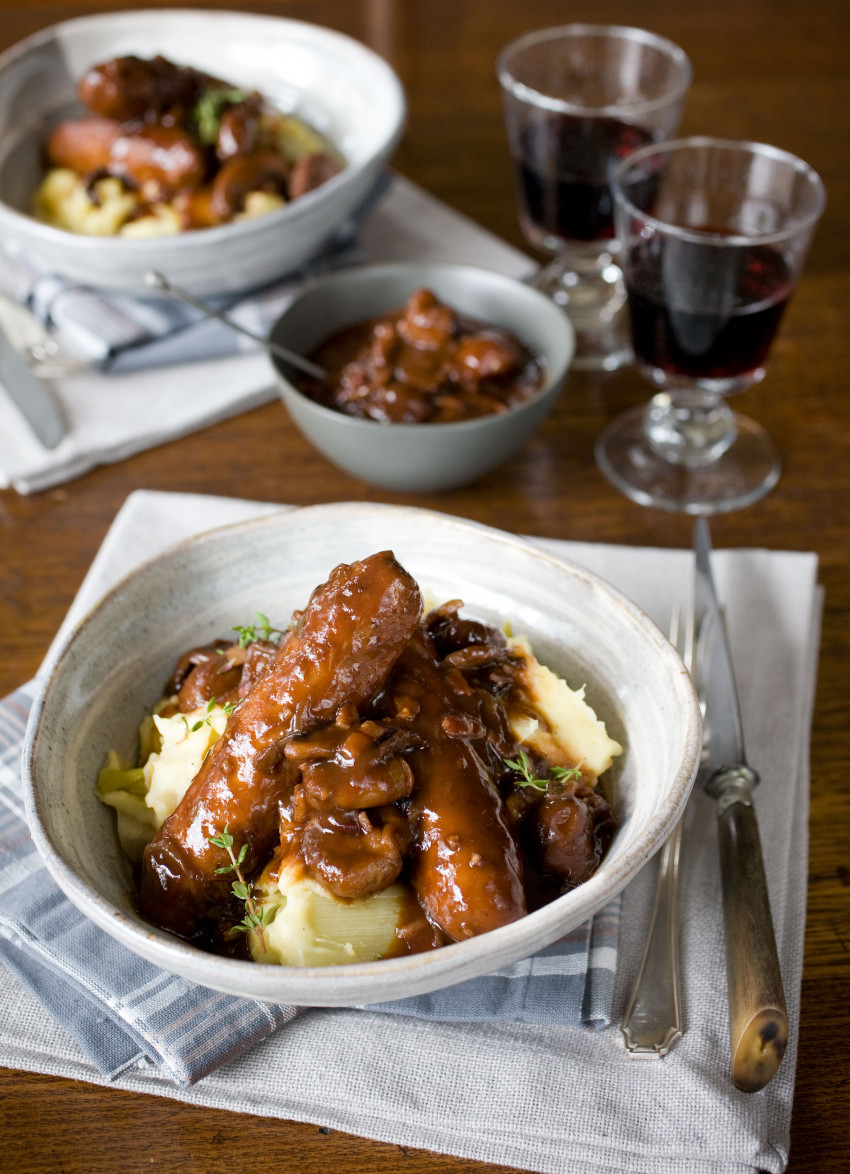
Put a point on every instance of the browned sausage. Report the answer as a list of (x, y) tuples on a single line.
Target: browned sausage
[(465, 865), (83, 144), (347, 640), (132, 89), (162, 158)]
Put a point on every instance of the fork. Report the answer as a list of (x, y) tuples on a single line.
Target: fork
[(652, 1023)]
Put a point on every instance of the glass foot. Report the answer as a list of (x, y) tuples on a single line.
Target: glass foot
[(743, 474)]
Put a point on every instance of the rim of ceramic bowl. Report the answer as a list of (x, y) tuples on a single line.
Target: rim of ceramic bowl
[(291, 213), (414, 973)]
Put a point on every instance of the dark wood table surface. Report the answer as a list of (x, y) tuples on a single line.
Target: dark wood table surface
[(770, 70)]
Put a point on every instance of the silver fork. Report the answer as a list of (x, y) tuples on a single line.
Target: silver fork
[(652, 1023)]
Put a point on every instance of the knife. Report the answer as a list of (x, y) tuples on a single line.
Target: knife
[(30, 395), (758, 1019)]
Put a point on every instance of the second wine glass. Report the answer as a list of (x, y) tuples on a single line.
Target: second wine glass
[(713, 236), (577, 99)]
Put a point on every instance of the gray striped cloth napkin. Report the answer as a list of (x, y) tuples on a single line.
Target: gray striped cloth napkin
[(123, 1011)]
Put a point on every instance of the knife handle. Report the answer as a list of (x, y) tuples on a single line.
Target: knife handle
[(758, 1020)]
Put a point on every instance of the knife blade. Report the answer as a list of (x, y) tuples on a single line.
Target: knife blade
[(30, 395), (758, 1019)]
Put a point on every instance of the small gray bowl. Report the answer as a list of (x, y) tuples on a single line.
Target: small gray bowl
[(421, 458)]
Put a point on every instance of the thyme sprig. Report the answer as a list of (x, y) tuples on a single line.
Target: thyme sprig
[(256, 916), (209, 109), (557, 774), (261, 629), (206, 720)]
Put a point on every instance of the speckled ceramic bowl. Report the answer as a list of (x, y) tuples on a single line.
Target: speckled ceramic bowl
[(337, 84), (422, 458), (110, 670)]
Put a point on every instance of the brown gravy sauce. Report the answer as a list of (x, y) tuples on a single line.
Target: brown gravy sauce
[(423, 364)]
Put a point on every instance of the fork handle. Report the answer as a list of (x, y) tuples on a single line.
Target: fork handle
[(652, 1023), (758, 1019)]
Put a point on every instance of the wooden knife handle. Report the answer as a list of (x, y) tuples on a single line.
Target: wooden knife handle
[(758, 1020)]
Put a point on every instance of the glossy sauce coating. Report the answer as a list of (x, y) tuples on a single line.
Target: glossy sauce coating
[(423, 364)]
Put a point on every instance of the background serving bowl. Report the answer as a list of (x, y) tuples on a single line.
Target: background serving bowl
[(335, 83), (421, 457), (110, 670)]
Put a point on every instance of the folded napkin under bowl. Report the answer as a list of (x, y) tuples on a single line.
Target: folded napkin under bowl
[(106, 674)]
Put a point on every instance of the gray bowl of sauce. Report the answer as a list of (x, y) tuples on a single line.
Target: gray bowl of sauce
[(421, 457)]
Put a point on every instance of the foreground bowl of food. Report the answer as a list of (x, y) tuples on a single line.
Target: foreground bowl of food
[(222, 148), (407, 802), (437, 373)]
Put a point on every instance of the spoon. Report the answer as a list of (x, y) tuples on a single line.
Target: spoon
[(159, 281)]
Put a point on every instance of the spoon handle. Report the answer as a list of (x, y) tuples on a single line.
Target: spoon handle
[(160, 281)]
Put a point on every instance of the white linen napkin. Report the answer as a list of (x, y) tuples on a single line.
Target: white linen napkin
[(545, 1098), (137, 402)]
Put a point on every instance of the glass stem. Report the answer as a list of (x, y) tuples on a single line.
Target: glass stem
[(691, 429)]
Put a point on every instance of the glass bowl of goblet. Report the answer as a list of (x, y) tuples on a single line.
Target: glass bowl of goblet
[(713, 237), (577, 99)]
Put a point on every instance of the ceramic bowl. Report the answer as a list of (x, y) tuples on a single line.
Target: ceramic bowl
[(337, 84), (106, 675), (421, 458)]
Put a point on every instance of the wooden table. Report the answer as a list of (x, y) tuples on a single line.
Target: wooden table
[(771, 70)]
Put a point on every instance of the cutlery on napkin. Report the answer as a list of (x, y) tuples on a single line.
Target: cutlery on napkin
[(758, 1019)]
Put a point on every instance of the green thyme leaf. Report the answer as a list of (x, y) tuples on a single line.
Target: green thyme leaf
[(209, 109)]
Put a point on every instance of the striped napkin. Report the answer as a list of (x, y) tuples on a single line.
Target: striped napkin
[(124, 1011)]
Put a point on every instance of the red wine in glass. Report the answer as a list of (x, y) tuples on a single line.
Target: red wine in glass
[(705, 311), (563, 174)]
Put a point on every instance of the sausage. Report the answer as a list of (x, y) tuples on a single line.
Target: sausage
[(465, 865), (163, 157), (131, 89), (158, 157), (341, 650), (83, 144)]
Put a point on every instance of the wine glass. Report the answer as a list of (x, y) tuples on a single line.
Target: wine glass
[(577, 99), (713, 236)]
